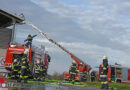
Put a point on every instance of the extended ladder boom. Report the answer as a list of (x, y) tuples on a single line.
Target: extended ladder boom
[(52, 41)]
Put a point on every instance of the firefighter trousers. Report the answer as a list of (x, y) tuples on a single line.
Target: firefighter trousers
[(14, 75), (23, 74), (104, 83), (72, 76), (92, 78), (37, 76)]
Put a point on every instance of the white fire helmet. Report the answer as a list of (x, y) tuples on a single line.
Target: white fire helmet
[(38, 62), (26, 51), (104, 57), (15, 60), (73, 62)]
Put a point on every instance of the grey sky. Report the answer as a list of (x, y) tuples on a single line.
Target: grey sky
[(88, 28)]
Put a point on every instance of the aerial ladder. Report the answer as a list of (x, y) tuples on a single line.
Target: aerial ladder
[(82, 67)]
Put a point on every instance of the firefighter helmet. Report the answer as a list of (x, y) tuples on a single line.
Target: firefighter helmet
[(104, 57), (73, 62), (15, 60), (29, 35), (26, 51), (38, 62)]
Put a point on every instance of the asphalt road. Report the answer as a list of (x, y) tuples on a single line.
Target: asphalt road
[(23, 86)]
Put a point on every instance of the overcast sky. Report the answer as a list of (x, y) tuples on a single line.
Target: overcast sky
[(88, 28)]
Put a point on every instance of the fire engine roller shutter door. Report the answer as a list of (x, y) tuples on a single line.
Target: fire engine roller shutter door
[(5, 37), (124, 74), (129, 74)]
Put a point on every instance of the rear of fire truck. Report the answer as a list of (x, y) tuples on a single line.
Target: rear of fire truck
[(34, 54), (7, 25), (116, 73)]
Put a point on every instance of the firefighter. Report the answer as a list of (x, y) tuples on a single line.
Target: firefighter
[(15, 69), (103, 73), (93, 76), (37, 73), (43, 71), (73, 71), (48, 58), (29, 40), (24, 67), (19, 61), (84, 77)]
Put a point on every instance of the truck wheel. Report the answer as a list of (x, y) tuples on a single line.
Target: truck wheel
[(118, 81)]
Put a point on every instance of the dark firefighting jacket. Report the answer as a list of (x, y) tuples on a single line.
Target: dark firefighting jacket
[(104, 68), (73, 69)]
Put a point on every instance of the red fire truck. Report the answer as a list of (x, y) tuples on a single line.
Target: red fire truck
[(82, 69), (34, 54), (117, 73), (19, 49), (82, 66)]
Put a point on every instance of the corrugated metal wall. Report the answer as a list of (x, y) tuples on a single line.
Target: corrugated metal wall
[(2, 52), (5, 37)]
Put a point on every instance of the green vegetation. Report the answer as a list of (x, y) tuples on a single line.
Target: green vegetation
[(118, 86), (60, 78)]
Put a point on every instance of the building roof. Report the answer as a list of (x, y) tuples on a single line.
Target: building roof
[(7, 19)]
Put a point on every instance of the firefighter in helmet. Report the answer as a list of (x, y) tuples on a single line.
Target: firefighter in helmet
[(93, 76), (103, 73), (17, 57), (29, 40), (24, 67), (15, 69), (73, 71), (48, 58), (37, 73), (42, 72)]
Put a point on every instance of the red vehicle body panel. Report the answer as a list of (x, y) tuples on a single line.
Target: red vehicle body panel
[(99, 72), (15, 50), (66, 75), (77, 77), (109, 74), (20, 50), (10, 51), (129, 74), (45, 61)]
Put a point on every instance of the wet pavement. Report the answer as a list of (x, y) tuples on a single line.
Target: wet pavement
[(23, 86)]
